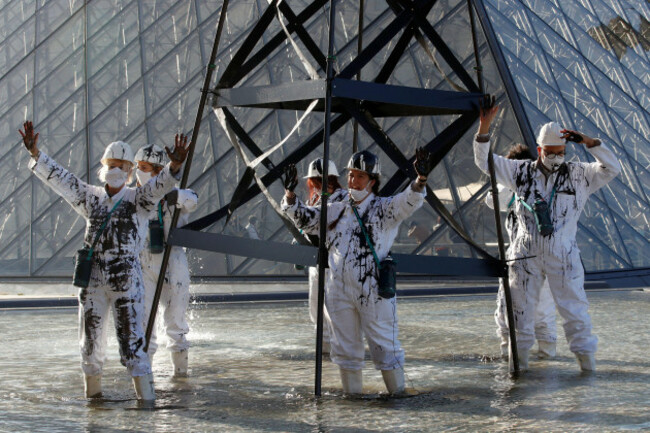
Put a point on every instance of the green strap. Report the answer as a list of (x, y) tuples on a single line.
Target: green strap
[(102, 228), (530, 209), (160, 218), (512, 200), (363, 229)]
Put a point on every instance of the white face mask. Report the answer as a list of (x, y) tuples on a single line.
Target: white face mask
[(143, 176), (358, 195), (115, 177), (552, 164)]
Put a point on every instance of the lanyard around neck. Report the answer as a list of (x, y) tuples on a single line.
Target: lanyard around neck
[(365, 234)]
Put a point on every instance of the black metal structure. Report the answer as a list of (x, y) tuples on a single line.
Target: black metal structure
[(343, 99)]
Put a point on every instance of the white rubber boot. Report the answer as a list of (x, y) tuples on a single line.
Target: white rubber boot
[(546, 349), (394, 380), (180, 361), (352, 381), (522, 354), (586, 361), (144, 387), (93, 386)]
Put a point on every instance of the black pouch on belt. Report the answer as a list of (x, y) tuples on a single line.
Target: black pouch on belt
[(387, 278), (543, 218), (156, 237), (83, 265)]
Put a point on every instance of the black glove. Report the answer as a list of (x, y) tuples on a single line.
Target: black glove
[(486, 103), (575, 137), (423, 163), (172, 198), (290, 179)]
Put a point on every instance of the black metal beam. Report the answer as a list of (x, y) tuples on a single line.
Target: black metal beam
[(273, 175), (378, 99), (237, 73), (307, 255), (442, 47), (246, 247)]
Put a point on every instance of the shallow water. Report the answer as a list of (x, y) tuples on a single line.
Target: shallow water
[(252, 369)]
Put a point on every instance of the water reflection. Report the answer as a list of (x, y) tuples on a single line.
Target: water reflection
[(252, 370)]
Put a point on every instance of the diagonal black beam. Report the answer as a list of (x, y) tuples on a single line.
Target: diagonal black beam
[(438, 147), (398, 50), (396, 155), (365, 56), (272, 175), (228, 79), (442, 47), (296, 22), (244, 68), (246, 139)]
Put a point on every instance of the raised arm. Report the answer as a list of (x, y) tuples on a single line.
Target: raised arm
[(305, 218), (152, 192), (504, 168), (64, 183), (606, 167)]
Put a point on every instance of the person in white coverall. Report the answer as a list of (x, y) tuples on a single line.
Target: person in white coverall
[(116, 276), (352, 297), (337, 194), (545, 242), (545, 328), (175, 294)]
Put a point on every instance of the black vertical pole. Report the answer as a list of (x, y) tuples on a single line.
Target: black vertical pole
[(186, 171), (355, 127), (322, 250), (495, 203)]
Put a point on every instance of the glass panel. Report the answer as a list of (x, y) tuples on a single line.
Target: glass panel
[(114, 39), (168, 33), (55, 229), (595, 256), (59, 46), (15, 45), (57, 91), (17, 84), (167, 83), (52, 14)]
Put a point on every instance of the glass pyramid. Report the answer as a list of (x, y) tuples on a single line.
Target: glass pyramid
[(88, 73)]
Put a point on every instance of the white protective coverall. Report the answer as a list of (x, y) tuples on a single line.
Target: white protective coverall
[(175, 294), (557, 256), (337, 196), (116, 277), (351, 297), (545, 327)]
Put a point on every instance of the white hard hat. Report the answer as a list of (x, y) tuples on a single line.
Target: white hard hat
[(151, 153), (550, 135), (316, 169), (365, 161), (118, 150)]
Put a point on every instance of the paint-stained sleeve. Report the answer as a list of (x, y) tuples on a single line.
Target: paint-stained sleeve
[(399, 207), (505, 196), (505, 169), (306, 218), (606, 167), (149, 194), (64, 183), (187, 201)]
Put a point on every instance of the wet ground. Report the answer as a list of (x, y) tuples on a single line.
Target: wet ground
[(252, 369)]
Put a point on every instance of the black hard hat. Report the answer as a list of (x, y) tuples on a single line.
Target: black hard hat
[(365, 161)]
